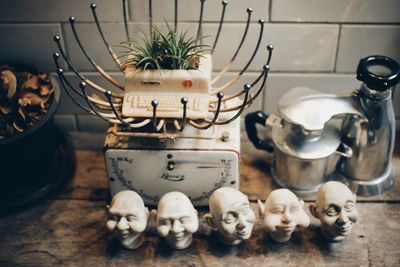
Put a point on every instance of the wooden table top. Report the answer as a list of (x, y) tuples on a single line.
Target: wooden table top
[(68, 227)]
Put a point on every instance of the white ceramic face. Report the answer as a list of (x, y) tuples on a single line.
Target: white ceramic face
[(177, 220), (336, 209), (127, 217), (284, 214), (232, 215)]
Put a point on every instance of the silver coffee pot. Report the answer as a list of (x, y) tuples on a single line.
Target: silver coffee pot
[(371, 137), (308, 145)]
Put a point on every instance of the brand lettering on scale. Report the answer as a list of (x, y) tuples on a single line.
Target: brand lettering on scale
[(172, 177)]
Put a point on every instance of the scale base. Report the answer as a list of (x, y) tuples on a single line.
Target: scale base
[(373, 187)]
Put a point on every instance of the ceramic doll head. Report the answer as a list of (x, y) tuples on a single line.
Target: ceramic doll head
[(283, 214), (230, 215), (335, 207), (176, 220), (127, 218)]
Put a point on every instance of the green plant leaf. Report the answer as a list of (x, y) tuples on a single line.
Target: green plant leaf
[(163, 50)]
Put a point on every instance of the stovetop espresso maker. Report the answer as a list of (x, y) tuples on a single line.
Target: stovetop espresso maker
[(310, 148)]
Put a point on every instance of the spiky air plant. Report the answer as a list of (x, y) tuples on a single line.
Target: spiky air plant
[(164, 51)]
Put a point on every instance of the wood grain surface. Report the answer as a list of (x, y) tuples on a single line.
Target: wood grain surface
[(68, 228), (70, 232)]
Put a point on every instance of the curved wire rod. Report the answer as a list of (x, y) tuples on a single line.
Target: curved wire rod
[(56, 56), (110, 51), (64, 81), (264, 73), (200, 18), (94, 64), (229, 64), (151, 17), (223, 110), (238, 76), (226, 85), (180, 128), (57, 40), (103, 103), (83, 78), (116, 121), (247, 88), (251, 98), (221, 21), (108, 117), (216, 114), (124, 11), (265, 68), (261, 22), (222, 72), (269, 48), (108, 95), (94, 100), (82, 85), (249, 11), (229, 97), (176, 15), (161, 123), (240, 93), (177, 126), (154, 104), (132, 125)]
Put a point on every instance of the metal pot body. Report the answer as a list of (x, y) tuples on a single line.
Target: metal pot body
[(302, 160), (371, 137), (302, 174)]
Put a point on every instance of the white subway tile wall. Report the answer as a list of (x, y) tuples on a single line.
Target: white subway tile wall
[(57, 10), (189, 10), (358, 41), (29, 43), (346, 11), (280, 83), (318, 43)]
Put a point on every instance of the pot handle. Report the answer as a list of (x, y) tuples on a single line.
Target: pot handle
[(347, 151), (250, 121)]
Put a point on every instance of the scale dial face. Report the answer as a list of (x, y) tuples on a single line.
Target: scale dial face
[(152, 173)]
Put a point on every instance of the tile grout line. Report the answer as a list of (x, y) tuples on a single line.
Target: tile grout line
[(337, 49), (270, 11)]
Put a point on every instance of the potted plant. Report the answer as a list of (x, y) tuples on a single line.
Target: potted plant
[(170, 51), (28, 140), (162, 68)]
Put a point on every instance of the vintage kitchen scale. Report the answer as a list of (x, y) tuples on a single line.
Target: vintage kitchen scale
[(170, 130)]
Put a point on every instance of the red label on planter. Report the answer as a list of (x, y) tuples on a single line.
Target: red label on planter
[(187, 83)]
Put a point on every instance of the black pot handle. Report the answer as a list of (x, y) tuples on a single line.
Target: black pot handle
[(250, 121)]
